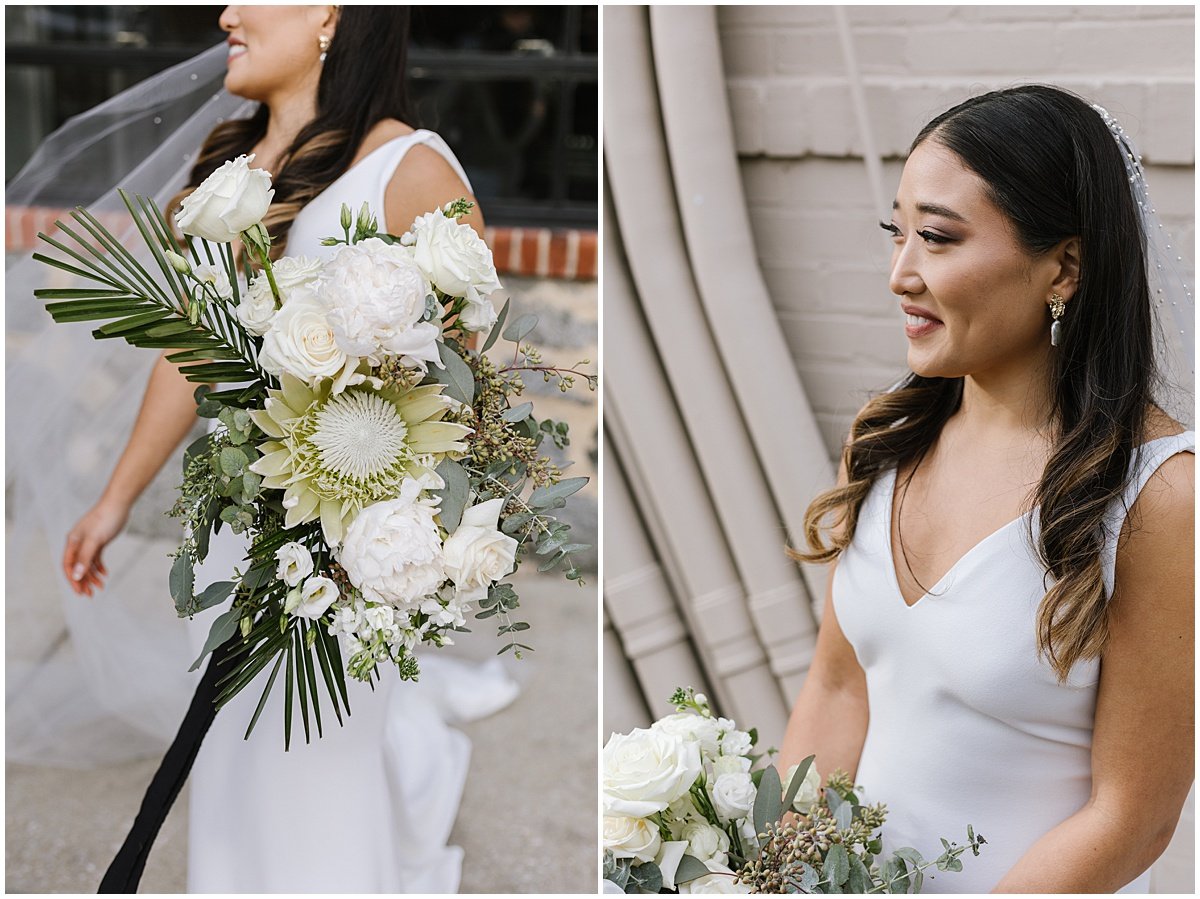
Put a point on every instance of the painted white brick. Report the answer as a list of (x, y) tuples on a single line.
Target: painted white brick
[(814, 182), (840, 390), (1170, 124), (791, 237), (736, 17), (963, 51), (811, 50), (747, 107), (988, 13), (907, 16), (748, 53), (786, 116), (834, 430), (1172, 189), (844, 338), (1146, 47)]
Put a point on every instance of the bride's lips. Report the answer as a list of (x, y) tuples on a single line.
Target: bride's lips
[(920, 321), (236, 49)]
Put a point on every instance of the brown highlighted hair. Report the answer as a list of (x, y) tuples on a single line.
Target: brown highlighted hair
[(1054, 168), (362, 82)]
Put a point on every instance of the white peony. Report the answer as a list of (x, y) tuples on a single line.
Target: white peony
[(453, 257), (631, 838), (646, 770), (697, 728), (311, 600), (227, 202), (392, 551), (707, 842), (733, 796), (809, 792), (376, 299), (720, 880), (300, 341), (295, 563), (477, 554)]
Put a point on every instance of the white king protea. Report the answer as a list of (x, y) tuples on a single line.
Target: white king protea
[(333, 455)]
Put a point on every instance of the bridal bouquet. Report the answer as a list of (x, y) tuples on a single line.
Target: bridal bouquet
[(385, 484), (685, 811)]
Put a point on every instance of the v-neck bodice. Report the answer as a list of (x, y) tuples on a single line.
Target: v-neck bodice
[(967, 724)]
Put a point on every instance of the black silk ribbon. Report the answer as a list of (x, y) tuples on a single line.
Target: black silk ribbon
[(125, 872)]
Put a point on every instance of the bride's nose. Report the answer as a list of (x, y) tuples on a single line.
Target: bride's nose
[(904, 278), (228, 20)]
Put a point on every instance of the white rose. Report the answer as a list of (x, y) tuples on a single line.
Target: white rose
[(477, 553), (257, 307), (453, 257), (809, 792), (645, 771), (295, 563), (631, 838), (668, 859), (478, 316), (736, 742), (295, 271), (376, 297), (227, 202), (730, 764), (393, 552), (697, 728), (733, 796), (720, 880), (300, 341), (707, 842), (317, 595)]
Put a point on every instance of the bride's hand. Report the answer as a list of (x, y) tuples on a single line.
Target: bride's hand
[(81, 561)]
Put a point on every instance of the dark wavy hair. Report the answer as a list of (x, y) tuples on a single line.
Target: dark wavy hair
[(362, 81), (1052, 166)]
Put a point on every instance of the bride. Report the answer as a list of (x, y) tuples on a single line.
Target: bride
[(331, 129), (1008, 636)]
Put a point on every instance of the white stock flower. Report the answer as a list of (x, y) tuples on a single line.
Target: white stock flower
[(697, 728), (317, 595), (477, 554), (376, 297), (227, 202), (733, 796), (645, 771), (631, 838), (730, 764), (707, 842), (300, 341), (295, 563), (736, 742), (392, 551), (720, 880), (453, 257), (809, 792)]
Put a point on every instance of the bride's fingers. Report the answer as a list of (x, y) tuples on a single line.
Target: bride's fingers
[(71, 566)]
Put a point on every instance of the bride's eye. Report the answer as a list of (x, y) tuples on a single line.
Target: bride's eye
[(890, 229), (931, 237)]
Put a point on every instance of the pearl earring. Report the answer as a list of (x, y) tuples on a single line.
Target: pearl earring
[(323, 42), (1057, 307)]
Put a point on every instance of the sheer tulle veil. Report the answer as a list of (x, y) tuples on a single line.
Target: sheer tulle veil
[(92, 681)]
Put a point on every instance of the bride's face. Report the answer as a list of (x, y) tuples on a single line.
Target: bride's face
[(274, 50), (975, 298)]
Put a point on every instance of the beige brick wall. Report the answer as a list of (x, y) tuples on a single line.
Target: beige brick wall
[(823, 255)]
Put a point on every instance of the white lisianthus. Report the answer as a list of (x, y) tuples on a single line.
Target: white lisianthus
[(215, 277), (707, 843), (453, 257), (257, 308), (478, 316), (733, 796), (720, 880), (227, 202), (736, 742), (376, 298), (477, 554), (697, 728), (730, 764), (392, 551), (300, 341), (317, 595), (809, 792), (631, 838), (295, 563), (646, 770)]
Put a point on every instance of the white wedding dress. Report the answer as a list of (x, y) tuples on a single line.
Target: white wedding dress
[(368, 807), (967, 724)]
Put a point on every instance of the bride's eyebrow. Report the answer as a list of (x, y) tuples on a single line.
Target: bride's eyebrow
[(935, 209)]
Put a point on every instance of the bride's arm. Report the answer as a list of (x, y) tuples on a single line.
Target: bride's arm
[(1142, 746), (829, 718), (167, 413)]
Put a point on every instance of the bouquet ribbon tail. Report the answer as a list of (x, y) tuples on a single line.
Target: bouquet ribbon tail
[(125, 871)]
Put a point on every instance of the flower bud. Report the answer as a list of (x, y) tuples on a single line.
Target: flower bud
[(347, 217), (178, 263)]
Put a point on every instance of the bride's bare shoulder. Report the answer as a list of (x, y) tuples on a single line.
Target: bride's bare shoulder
[(1160, 424), (380, 133)]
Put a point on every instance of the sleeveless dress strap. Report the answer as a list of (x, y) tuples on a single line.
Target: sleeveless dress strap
[(393, 152), (1147, 460)]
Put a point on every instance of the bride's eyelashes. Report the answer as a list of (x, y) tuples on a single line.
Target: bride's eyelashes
[(927, 236)]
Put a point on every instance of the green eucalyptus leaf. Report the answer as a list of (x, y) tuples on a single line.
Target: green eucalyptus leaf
[(233, 461), (689, 868), (521, 328), (644, 878), (454, 495), (456, 375), (837, 865), (859, 880), (768, 803), (182, 581), (496, 328), (214, 594), (797, 780), (518, 413), (223, 627), (543, 497)]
